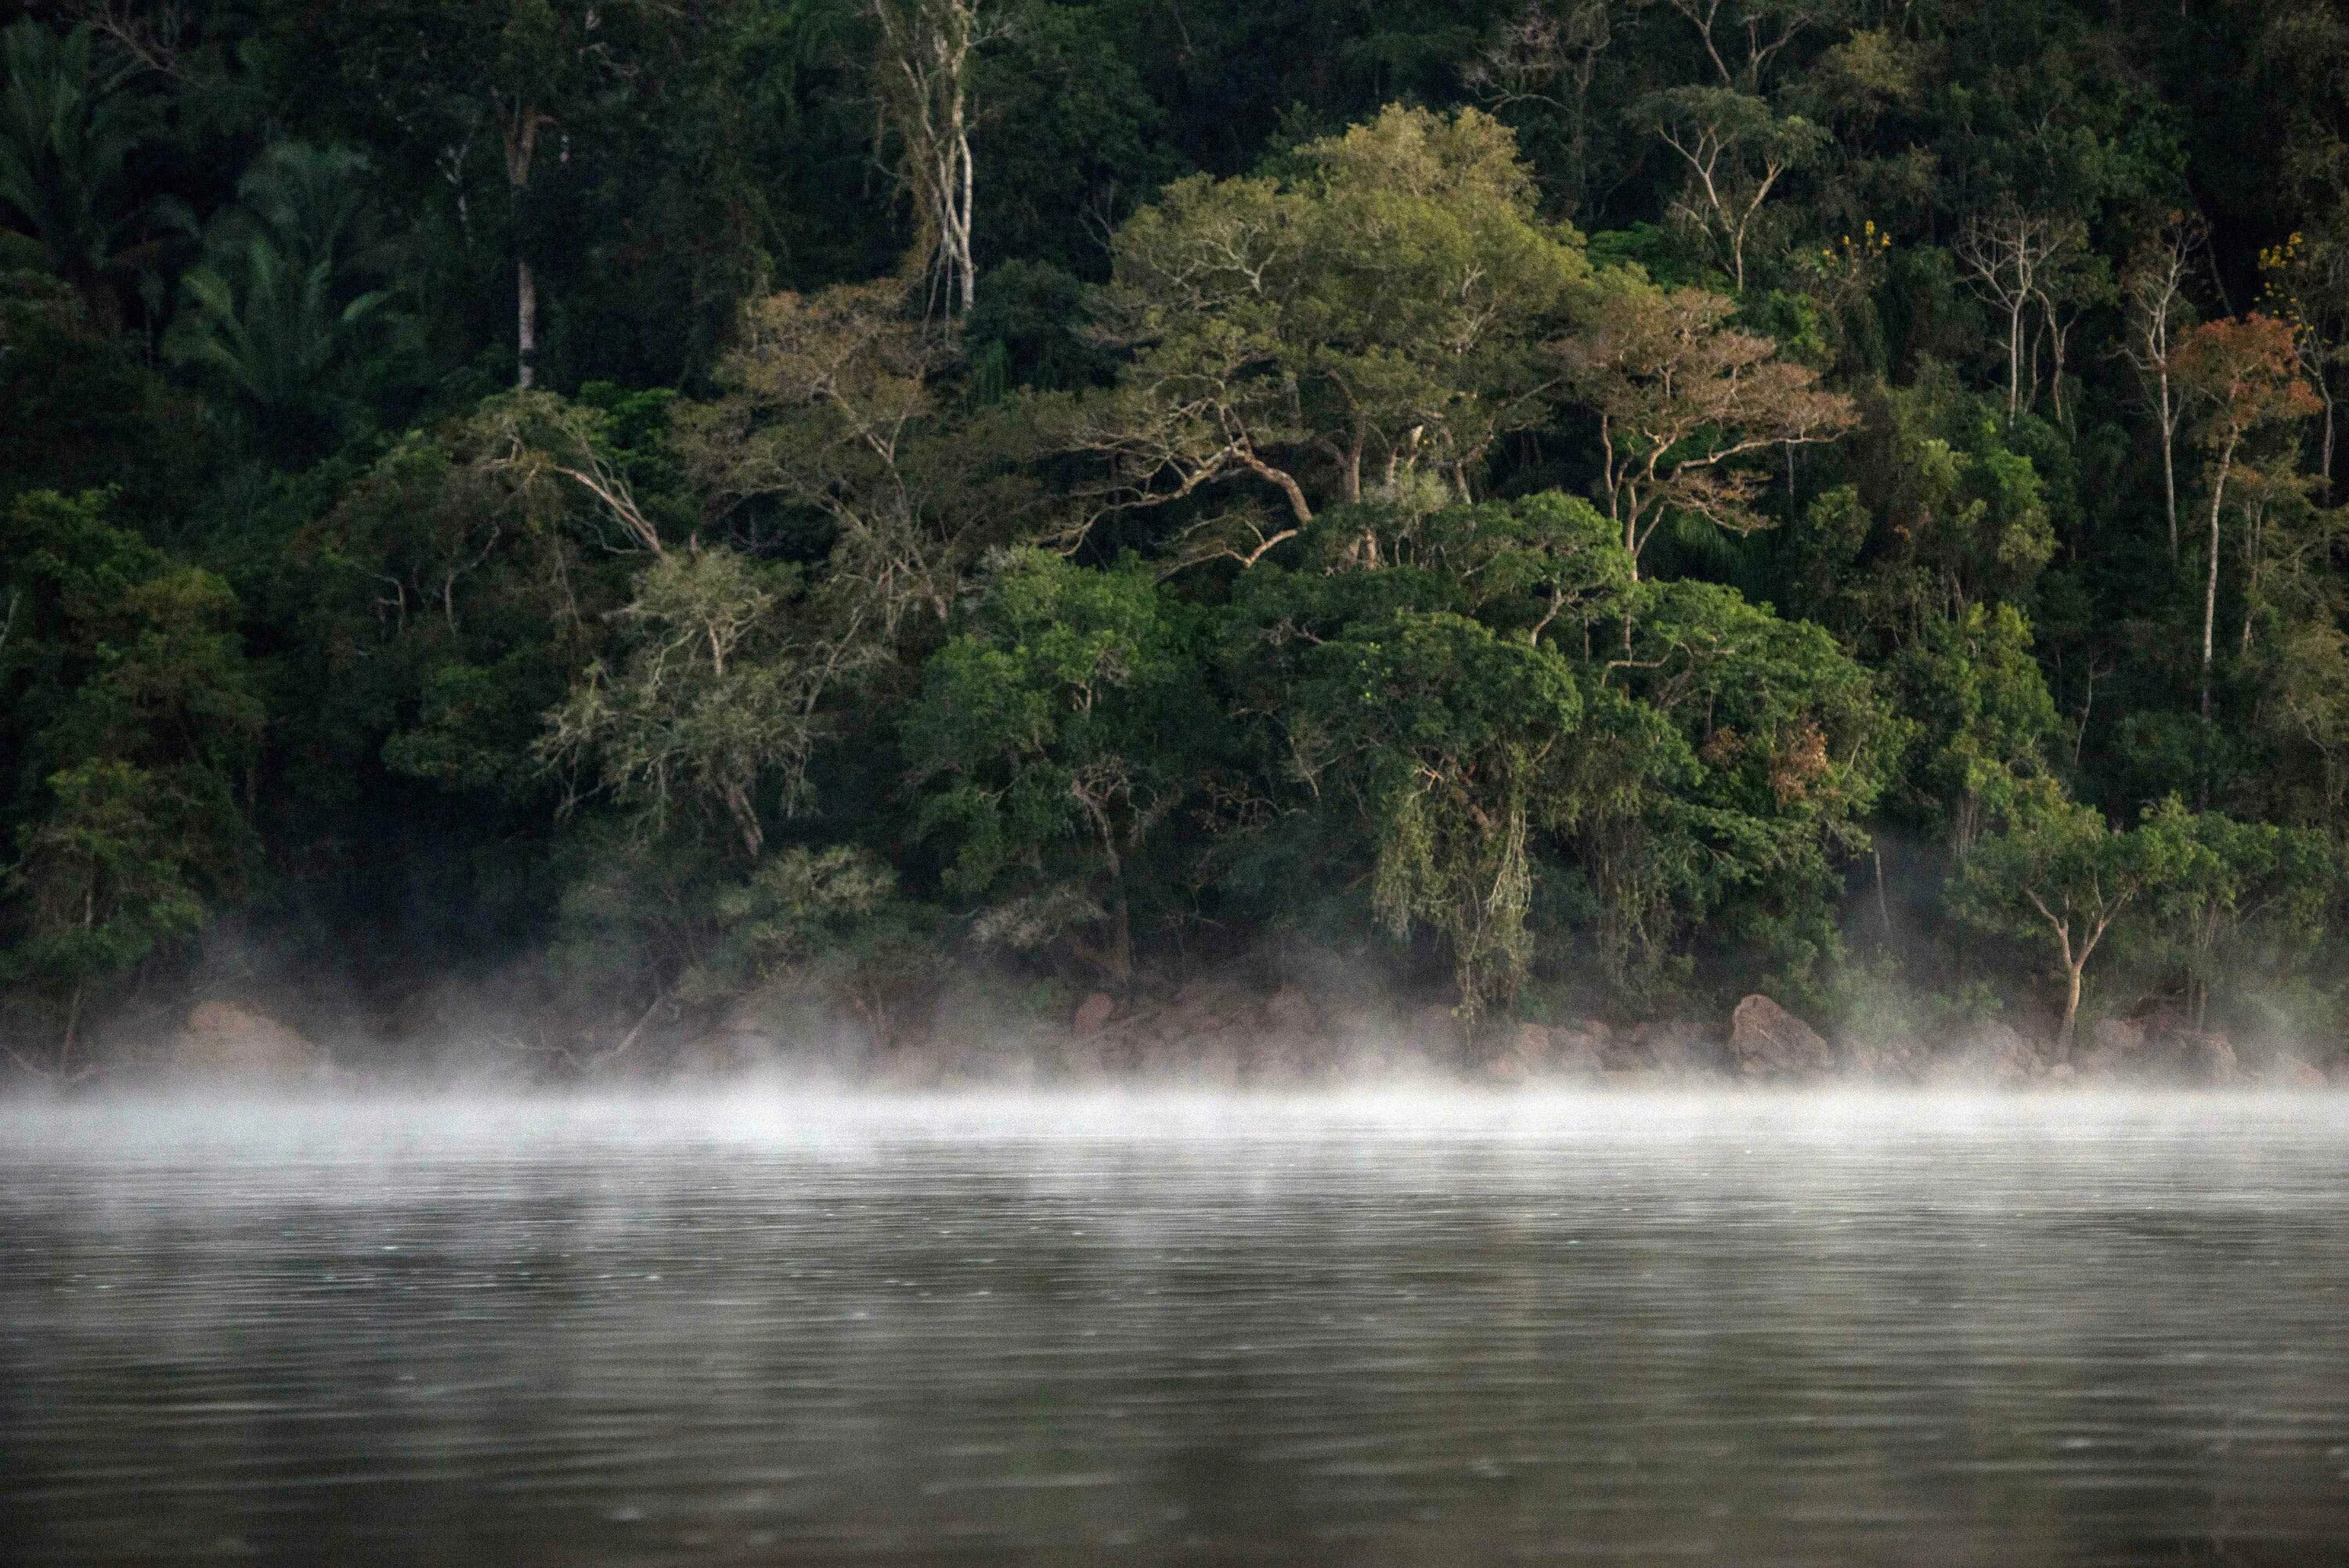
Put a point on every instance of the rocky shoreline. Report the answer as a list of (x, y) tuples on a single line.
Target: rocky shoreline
[(1226, 1032), (1216, 1033)]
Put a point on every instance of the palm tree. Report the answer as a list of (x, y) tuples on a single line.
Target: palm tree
[(67, 124), (270, 309)]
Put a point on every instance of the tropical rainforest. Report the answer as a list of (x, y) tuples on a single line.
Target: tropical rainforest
[(1582, 508)]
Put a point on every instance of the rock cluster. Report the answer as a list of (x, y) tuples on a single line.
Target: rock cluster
[(1559, 1051), (225, 1038), (2161, 1046), (1230, 1029), (1213, 1028)]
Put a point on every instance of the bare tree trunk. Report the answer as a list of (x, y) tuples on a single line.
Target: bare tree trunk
[(2209, 609), (2071, 1007), (2059, 334), (1121, 937), (746, 819), (2324, 436), (965, 265), (2014, 361), (519, 124), (2156, 285), (2014, 257), (73, 1026), (2254, 538), (2169, 462), (526, 323), (922, 82), (2210, 580)]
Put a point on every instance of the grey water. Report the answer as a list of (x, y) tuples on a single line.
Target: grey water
[(775, 1326)]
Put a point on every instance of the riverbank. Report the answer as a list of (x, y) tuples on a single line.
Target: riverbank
[(1211, 1033)]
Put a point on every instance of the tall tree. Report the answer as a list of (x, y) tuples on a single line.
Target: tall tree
[(1054, 738), (2062, 876), (2159, 313), (1684, 402), (1370, 318), (1743, 39), (131, 723), (922, 92), (2244, 375), (449, 79), (1545, 63), (842, 405), (2016, 259), (2306, 285), (1737, 149), (715, 697)]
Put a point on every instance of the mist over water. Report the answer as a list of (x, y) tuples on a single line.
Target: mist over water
[(776, 1325)]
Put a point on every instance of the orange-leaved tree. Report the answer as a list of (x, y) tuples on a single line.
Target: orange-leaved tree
[(2243, 374)]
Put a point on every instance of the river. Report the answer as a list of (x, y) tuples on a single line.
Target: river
[(772, 1325)]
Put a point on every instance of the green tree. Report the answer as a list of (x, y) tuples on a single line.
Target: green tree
[(714, 699), (1451, 738), (838, 408), (132, 726), (2244, 906), (420, 621), (80, 409), (1778, 746), (1959, 514), (2061, 877), (1986, 727), (1415, 690), (459, 82), (1737, 149), (1368, 314), (1053, 737)]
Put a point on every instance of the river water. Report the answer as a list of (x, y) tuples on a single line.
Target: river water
[(782, 1328)]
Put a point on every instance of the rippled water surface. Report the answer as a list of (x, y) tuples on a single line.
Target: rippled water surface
[(779, 1329)]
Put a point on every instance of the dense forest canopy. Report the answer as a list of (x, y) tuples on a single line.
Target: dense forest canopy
[(1587, 506)]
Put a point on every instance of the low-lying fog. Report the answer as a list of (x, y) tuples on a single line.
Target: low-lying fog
[(775, 1325)]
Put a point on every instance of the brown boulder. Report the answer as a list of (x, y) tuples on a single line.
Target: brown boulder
[(1526, 1050), (1870, 1056), (2114, 1045), (1435, 1030), (2204, 1056), (1578, 1053), (1668, 1045), (1767, 1041), (2298, 1074), (2119, 1036), (1289, 1011), (2010, 1057), (1092, 1016), (224, 1037)]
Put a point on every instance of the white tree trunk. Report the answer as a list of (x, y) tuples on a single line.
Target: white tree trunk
[(2210, 580), (526, 323)]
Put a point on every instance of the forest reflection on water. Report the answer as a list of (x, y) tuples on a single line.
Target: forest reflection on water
[(771, 1326)]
